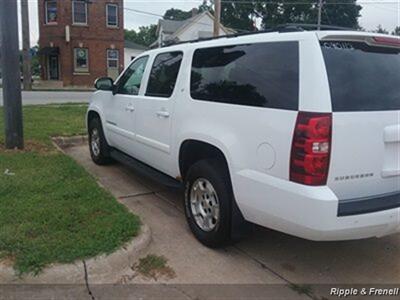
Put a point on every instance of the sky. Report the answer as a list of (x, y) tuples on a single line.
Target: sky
[(373, 13)]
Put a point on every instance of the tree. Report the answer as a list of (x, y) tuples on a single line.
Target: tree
[(335, 12), (239, 15), (380, 29), (177, 14), (344, 15), (180, 15), (235, 14), (206, 6), (396, 31), (145, 36)]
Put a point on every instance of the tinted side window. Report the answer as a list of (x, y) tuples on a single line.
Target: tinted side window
[(362, 77), (164, 74), (129, 83), (263, 75)]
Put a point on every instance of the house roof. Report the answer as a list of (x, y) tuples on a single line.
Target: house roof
[(174, 28), (170, 26), (132, 45)]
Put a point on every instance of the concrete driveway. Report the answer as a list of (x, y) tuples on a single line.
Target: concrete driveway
[(265, 257), (38, 97)]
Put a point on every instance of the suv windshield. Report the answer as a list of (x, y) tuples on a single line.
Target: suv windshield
[(362, 77)]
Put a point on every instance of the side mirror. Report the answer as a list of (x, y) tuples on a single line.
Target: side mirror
[(104, 84)]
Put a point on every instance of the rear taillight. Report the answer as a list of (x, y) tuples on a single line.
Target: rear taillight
[(311, 147)]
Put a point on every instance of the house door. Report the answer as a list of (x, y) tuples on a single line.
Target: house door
[(53, 67)]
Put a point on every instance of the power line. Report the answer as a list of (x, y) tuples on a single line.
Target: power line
[(269, 2), (189, 22), (312, 3), (250, 1), (143, 12)]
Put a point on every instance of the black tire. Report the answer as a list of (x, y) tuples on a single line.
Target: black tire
[(102, 156), (216, 173)]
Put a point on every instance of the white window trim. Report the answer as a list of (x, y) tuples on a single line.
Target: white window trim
[(73, 13), (46, 12), (76, 68), (117, 59), (117, 12)]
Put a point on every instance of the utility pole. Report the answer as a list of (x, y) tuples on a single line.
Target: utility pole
[(320, 3), (11, 75), (217, 17), (27, 81)]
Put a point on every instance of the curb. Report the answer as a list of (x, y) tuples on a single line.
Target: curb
[(97, 267)]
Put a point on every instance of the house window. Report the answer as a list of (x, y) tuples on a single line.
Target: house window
[(79, 12), (51, 12), (112, 15), (81, 60), (112, 59)]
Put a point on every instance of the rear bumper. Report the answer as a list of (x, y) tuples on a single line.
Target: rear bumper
[(369, 204), (312, 212)]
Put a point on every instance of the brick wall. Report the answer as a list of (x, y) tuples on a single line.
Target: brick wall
[(96, 37)]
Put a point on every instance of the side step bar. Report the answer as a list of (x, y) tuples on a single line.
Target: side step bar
[(145, 170)]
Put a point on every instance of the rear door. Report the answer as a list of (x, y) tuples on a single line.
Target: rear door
[(364, 79), (156, 109)]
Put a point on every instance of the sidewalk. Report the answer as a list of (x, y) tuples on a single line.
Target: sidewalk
[(54, 85), (52, 97)]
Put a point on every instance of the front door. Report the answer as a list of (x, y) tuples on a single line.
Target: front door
[(121, 110), (53, 67)]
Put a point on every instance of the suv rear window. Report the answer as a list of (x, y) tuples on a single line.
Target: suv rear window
[(362, 77), (262, 74)]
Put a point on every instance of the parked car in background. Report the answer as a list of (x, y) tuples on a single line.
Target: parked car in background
[(294, 131)]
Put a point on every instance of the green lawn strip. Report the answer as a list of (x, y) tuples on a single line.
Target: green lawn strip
[(41, 122), (51, 209)]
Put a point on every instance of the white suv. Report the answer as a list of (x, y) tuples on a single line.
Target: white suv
[(294, 131)]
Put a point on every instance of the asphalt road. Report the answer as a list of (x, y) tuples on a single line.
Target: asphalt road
[(34, 98)]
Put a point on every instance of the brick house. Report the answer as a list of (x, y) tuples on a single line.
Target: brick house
[(80, 40)]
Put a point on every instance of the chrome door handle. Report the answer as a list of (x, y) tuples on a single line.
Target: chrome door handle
[(130, 108), (163, 114)]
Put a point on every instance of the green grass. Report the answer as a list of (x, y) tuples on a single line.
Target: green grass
[(154, 266), (43, 121), (51, 209)]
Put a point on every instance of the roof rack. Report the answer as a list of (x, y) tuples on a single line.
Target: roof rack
[(306, 27), (289, 27)]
